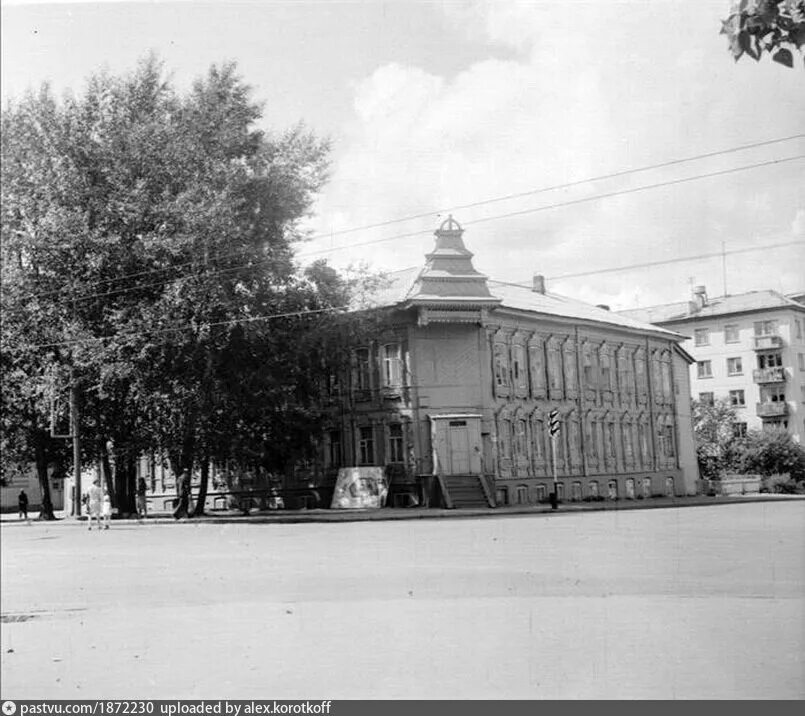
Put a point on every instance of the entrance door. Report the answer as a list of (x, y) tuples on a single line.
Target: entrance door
[(458, 448), (457, 444)]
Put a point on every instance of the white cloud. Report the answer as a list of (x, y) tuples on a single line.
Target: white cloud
[(594, 88)]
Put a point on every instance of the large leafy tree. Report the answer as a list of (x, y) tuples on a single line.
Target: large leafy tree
[(147, 256), (714, 430), (773, 26)]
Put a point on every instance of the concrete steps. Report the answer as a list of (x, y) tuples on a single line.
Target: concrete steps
[(465, 491)]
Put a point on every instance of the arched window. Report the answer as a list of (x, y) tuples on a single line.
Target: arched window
[(594, 489), (501, 365), (519, 372), (536, 354)]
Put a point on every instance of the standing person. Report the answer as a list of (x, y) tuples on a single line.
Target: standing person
[(106, 510), (22, 501), (94, 502), (142, 504), (182, 489)]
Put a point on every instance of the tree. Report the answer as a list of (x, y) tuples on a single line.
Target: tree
[(774, 26), (717, 448), (148, 252), (773, 452)]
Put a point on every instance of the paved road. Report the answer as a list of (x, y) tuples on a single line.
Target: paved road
[(665, 603)]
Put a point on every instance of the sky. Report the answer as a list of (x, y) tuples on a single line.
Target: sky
[(478, 109)]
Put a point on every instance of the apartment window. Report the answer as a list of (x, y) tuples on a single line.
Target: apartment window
[(707, 398), (731, 333), (335, 448), (366, 446), (501, 365), (701, 336), (765, 328), (704, 369), (362, 372), (518, 366), (734, 366), (737, 398), (770, 360), (772, 394), (739, 430), (396, 451), (392, 365)]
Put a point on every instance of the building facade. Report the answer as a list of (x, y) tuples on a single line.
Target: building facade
[(462, 378), (749, 349)]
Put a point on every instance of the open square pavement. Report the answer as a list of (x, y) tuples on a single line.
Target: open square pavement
[(700, 602)]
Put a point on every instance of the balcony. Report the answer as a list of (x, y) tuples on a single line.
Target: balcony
[(768, 343), (772, 410), (769, 375)]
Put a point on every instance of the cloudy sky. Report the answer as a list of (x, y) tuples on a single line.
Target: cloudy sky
[(480, 108)]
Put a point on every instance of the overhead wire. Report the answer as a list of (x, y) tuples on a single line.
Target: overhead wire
[(507, 197)]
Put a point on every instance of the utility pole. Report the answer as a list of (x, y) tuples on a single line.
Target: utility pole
[(724, 264), (75, 433)]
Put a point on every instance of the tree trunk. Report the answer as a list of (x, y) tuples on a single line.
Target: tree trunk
[(198, 511), (46, 511)]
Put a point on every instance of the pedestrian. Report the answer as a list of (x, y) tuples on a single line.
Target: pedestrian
[(142, 503), (106, 510), (22, 501), (94, 502), (182, 488)]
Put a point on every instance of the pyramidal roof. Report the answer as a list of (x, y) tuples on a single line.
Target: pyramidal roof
[(449, 280)]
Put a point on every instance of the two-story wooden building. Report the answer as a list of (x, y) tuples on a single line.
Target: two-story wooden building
[(460, 381)]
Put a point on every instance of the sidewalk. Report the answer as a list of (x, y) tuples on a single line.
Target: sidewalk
[(415, 513)]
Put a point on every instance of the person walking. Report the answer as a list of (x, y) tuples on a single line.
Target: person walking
[(182, 495), (142, 503), (22, 501), (106, 510), (95, 502)]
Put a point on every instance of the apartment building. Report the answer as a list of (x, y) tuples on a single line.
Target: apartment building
[(749, 348), (462, 379)]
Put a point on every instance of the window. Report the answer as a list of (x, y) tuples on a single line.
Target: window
[(640, 371), (501, 365), (396, 450), (575, 493), (520, 439), (630, 488), (542, 493), (612, 490), (737, 399), (335, 448), (772, 394), (739, 430), (392, 365), (734, 366), (701, 336), (606, 369), (798, 324), (704, 369), (801, 360), (770, 360), (611, 450), (539, 437), (628, 442), (555, 378), (706, 398), (731, 333), (366, 446), (522, 495), (765, 328), (518, 366), (665, 440), (593, 488), (646, 487), (537, 356), (362, 372), (802, 390)]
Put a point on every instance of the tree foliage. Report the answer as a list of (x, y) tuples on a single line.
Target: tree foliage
[(773, 452), (148, 251), (773, 26), (717, 448)]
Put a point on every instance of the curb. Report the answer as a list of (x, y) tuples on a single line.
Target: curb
[(397, 514)]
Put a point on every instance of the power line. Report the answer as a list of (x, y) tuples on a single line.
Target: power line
[(649, 264), (566, 185), (304, 312), (496, 217), (484, 202)]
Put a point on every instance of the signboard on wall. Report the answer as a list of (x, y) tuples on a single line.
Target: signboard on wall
[(360, 487)]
